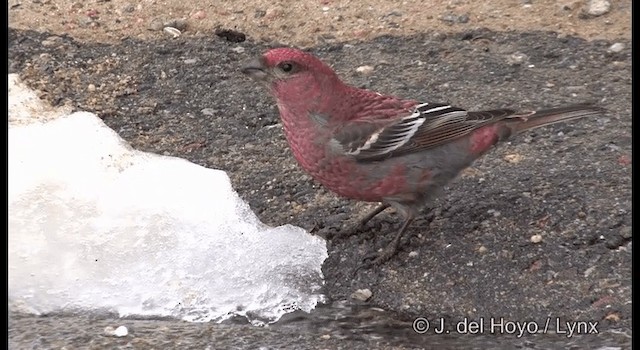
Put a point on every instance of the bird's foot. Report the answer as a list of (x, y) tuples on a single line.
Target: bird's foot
[(377, 258)]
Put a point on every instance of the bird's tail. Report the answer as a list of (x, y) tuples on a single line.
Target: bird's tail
[(521, 122)]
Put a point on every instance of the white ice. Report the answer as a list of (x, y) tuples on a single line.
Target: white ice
[(96, 226)]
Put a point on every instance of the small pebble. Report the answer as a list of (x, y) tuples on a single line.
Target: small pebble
[(617, 47), (513, 158), (361, 294), (451, 18), (366, 70), (156, 24), (51, 41), (482, 249), (516, 58), (91, 88), (598, 7), (121, 331), (209, 112), (496, 213), (172, 31), (626, 232), (438, 36), (238, 49), (613, 317), (178, 23), (537, 238), (413, 254), (230, 35)]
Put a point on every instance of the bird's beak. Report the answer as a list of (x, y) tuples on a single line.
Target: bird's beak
[(255, 69)]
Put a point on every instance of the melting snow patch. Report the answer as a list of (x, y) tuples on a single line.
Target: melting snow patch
[(96, 225)]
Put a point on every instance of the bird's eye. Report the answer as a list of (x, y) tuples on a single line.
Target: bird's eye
[(286, 67)]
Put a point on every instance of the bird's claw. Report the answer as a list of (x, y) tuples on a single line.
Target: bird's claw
[(376, 259)]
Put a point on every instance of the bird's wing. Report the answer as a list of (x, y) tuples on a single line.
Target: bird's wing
[(429, 125)]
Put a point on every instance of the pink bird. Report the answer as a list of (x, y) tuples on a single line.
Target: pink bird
[(372, 147)]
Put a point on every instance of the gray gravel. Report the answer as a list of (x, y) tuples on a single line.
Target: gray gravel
[(471, 256)]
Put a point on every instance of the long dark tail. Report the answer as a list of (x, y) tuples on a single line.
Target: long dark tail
[(521, 122)]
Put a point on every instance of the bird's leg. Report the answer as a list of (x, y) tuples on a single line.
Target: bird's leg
[(391, 249), (355, 229), (371, 215)]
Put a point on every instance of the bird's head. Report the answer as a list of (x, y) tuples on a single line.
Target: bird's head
[(292, 75)]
